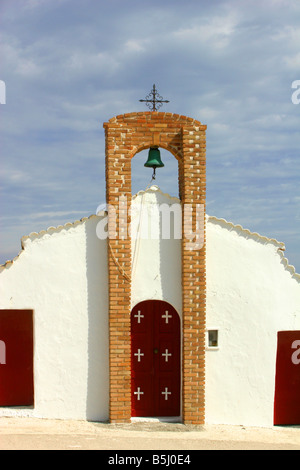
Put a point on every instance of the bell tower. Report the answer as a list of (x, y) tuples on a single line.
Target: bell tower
[(185, 138)]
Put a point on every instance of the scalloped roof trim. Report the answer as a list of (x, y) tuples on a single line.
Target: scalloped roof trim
[(239, 228), (256, 236), (49, 230), (245, 231), (155, 188)]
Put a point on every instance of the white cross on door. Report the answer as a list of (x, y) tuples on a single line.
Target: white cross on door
[(166, 393), (139, 354), (166, 354), (138, 393), (139, 316), (166, 316)]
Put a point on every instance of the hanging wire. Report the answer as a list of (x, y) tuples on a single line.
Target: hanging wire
[(138, 233), (153, 177), (137, 243), (124, 274)]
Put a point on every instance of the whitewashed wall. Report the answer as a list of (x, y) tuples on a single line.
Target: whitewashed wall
[(62, 275), (251, 295)]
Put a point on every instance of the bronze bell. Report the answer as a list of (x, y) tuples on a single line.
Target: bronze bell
[(154, 160)]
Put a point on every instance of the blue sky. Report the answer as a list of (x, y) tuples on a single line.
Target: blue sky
[(70, 65)]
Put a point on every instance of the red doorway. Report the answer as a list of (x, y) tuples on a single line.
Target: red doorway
[(16, 358), (287, 382), (155, 359)]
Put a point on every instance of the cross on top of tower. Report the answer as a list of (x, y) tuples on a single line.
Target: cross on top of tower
[(154, 100)]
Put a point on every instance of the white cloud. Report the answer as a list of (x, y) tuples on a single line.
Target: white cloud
[(91, 63), (14, 175), (32, 4), (133, 45), (293, 62), (213, 31)]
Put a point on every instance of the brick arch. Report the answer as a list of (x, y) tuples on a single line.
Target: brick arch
[(155, 128), (184, 137), (154, 116), (175, 152)]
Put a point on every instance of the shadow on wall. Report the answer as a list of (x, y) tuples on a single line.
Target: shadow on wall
[(97, 401), (170, 272), (170, 258), (156, 255)]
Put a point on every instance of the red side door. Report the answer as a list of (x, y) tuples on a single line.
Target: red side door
[(287, 381), (155, 359), (16, 357)]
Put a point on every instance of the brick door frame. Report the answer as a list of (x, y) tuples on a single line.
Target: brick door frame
[(185, 138)]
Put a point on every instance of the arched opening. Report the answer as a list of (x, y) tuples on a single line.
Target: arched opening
[(166, 177)]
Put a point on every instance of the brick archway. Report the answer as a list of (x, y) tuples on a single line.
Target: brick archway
[(184, 137)]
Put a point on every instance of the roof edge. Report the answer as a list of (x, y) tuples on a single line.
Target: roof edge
[(49, 230), (248, 232), (280, 245)]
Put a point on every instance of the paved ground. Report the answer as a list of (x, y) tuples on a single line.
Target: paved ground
[(41, 434)]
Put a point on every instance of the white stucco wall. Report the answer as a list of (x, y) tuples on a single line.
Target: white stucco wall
[(62, 275), (156, 260), (251, 295)]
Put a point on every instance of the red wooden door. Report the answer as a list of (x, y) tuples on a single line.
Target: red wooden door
[(287, 381), (155, 359), (16, 358)]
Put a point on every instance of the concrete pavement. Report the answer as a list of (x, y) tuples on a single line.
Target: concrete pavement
[(44, 434)]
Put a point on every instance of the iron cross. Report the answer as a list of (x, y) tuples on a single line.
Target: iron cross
[(154, 100)]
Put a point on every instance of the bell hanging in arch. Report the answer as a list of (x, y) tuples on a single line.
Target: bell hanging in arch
[(154, 160)]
